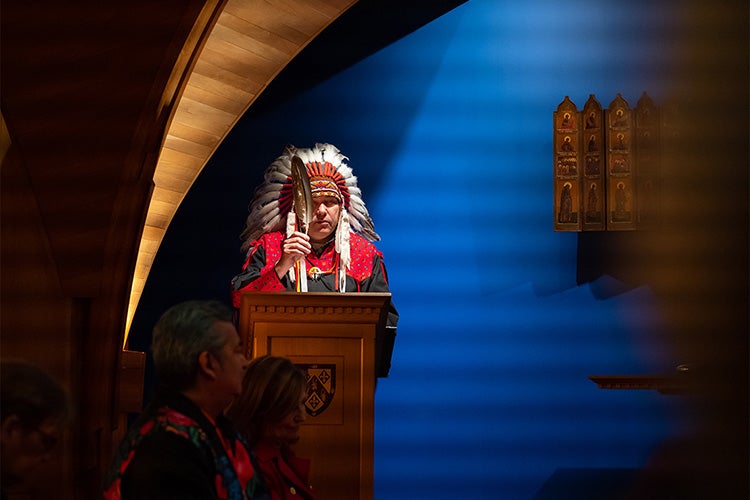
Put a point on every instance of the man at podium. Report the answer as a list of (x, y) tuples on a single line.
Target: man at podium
[(315, 236)]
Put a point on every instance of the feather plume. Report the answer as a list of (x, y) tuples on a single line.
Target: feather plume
[(302, 194), (342, 248), (290, 220)]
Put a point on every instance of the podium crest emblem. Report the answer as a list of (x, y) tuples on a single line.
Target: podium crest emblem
[(321, 385)]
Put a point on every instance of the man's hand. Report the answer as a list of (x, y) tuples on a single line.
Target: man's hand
[(294, 248)]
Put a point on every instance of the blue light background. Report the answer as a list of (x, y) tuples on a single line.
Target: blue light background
[(449, 131)]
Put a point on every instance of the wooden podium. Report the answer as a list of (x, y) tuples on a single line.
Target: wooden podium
[(338, 339)]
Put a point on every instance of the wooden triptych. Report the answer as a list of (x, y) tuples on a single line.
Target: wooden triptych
[(606, 165)]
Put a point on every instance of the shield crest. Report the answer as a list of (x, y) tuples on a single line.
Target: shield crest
[(321, 385)]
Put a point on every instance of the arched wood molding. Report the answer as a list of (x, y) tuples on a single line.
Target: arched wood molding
[(250, 43)]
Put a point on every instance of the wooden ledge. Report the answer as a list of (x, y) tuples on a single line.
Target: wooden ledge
[(665, 384)]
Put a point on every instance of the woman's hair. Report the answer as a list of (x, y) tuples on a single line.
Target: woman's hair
[(182, 333), (270, 391)]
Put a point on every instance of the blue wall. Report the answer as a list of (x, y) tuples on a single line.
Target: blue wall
[(449, 130)]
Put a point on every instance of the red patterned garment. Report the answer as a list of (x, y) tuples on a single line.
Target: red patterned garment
[(175, 451), (286, 475), (366, 272)]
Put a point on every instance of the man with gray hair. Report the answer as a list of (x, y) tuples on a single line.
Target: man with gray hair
[(183, 446)]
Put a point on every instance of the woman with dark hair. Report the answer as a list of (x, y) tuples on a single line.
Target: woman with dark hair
[(269, 413)]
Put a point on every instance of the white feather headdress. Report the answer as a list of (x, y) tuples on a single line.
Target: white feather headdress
[(272, 200)]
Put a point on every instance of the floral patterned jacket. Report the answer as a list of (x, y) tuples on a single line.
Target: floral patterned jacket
[(175, 451)]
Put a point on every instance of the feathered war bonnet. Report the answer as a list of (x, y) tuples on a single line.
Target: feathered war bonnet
[(271, 207)]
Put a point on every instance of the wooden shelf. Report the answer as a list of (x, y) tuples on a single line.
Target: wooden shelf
[(665, 384)]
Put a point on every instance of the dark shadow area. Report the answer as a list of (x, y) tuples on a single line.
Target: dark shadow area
[(367, 27), (367, 124), (588, 484), (615, 254)]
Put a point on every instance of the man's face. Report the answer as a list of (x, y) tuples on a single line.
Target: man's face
[(232, 362), (25, 451), (326, 211)]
